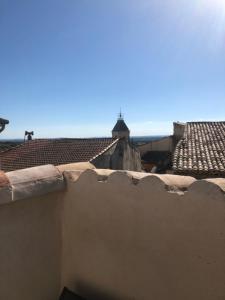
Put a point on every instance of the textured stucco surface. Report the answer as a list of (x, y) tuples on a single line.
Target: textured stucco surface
[(112, 235), (131, 238), (30, 248)]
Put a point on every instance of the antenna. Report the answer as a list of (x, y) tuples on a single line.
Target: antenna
[(120, 116), (29, 135)]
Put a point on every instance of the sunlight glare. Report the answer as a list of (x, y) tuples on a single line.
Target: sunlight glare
[(214, 15)]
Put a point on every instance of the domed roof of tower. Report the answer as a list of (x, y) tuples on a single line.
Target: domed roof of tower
[(120, 124)]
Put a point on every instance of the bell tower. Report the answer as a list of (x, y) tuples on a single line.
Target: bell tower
[(121, 130)]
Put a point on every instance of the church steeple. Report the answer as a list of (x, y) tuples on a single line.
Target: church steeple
[(120, 130)]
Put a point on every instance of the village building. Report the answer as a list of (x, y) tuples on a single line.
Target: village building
[(156, 155), (106, 153), (201, 151), (195, 149)]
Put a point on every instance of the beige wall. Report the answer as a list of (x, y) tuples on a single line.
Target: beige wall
[(111, 235), (139, 241), (30, 249), (31, 233), (164, 144)]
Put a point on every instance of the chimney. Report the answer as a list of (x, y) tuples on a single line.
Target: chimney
[(178, 130)]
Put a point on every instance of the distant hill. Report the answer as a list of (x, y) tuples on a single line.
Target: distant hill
[(139, 140), (6, 144)]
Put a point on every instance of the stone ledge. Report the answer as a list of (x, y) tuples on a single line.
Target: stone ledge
[(75, 166), (36, 181)]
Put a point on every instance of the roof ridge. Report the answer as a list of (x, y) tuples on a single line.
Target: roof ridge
[(204, 122), (69, 138), (104, 150)]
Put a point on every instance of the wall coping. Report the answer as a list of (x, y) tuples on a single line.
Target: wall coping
[(33, 182), (37, 181)]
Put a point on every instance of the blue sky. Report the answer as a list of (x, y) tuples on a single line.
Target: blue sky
[(67, 66)]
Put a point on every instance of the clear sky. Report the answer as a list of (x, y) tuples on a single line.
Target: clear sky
[(67, 66)]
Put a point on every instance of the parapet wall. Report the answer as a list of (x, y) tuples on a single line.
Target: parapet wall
[(111, 235)]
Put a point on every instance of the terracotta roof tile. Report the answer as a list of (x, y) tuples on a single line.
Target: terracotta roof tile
[(202, 149), (53, 151)]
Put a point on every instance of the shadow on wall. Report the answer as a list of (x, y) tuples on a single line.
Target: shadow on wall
[(92, 292)]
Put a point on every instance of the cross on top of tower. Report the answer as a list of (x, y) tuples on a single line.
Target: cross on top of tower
[(120, 116)]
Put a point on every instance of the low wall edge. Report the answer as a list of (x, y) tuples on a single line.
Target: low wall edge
[(37, 181)]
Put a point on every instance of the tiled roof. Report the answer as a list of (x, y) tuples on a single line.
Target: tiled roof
[(53, 151), (120, 126), (8, 145), (202, 150)]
